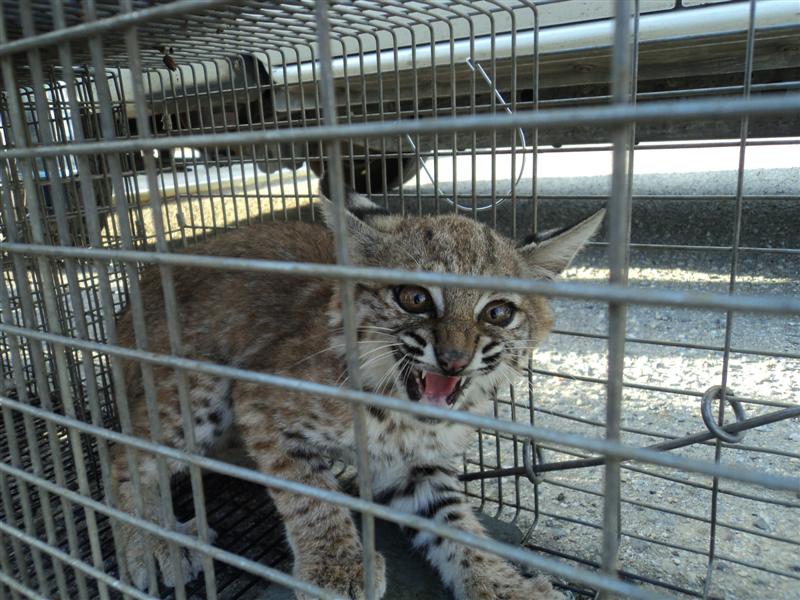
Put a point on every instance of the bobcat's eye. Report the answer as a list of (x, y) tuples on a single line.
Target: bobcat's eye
[(413, 299), (499, 313)]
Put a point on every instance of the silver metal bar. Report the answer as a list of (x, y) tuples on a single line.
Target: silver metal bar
[(77, 564), (686, 345), (227, 557), (619, 208), (20, 588), (670, 444), (726, 353), (49, 316), (511, 552), (54, 322), (346, 290), (136, 304), (109, 24), (661, 509), (171, 310), (602, 446), (550, 289), (613, 115), (648, 540), (103, 271)]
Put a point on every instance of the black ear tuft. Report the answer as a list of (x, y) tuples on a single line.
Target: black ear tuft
[(549, 253), (542, 236), (359, 206)]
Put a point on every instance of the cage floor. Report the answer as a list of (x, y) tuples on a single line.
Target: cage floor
[(241, 513), (243, 517)]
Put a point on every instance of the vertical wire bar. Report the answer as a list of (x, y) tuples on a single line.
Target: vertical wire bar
[(435, 115), (135, 297), (183, 112), (18, 370), (454, 111), (473, 109), (634, 88), (5, 566), (737, 229), (267, 159), (89, 375), (514, 134), (532, 417), (619, 206), (208, 151), (170, 301), (106, 300), (18, 377), (306, 145), (333, 150), (32, 437), (48, 315), (289, 125), (493, 110), (9, 515), (54, 325), (535, 132), (193, 186)]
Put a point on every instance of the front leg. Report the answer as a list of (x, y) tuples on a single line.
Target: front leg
[(324, 540), (472, 574)]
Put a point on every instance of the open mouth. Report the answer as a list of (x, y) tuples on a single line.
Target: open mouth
[(434, 388)]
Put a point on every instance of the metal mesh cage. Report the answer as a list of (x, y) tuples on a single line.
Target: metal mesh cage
[(133, 129)]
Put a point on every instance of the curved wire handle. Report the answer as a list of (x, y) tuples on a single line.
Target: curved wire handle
[(477, 67), (715, 393)]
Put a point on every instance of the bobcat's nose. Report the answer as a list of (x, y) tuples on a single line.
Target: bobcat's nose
[(452, 361)]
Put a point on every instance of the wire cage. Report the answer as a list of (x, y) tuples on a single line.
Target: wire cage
[(650, 450)]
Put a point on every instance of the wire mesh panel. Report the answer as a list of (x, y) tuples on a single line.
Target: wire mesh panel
[(647, 448)]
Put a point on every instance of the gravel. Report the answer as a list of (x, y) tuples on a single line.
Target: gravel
[(664, 516)]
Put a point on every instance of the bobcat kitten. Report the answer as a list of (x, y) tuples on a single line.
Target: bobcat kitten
[(446, 347)]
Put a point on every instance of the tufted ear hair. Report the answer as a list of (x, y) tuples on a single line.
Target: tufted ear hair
[(363, 238), (547, 254)]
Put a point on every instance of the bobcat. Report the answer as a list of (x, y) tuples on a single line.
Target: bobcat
[(445, 347)]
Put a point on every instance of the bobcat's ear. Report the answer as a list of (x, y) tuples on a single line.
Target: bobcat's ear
[(364, 238), (548, 254)]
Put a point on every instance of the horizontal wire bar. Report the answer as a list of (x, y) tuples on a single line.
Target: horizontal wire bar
[(749, 565), (18, 587), (685, 345), (678, 513), (596, 526), (410, 520), (242, 563), (601, 446), (622, 572), (75, 563), (687, 482), (606, 293), (672, 444), (650, 433), (109, 24), (639, 537), (656, 388), (681, 110), (739, 447)]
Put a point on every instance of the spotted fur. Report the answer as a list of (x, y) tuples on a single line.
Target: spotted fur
[(293, 327)]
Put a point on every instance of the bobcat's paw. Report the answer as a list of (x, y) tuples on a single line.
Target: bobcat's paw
[(514, 587), (539, 588), (167, 560), (343, 574)]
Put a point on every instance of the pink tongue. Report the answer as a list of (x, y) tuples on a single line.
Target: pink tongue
[(436, 388)]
